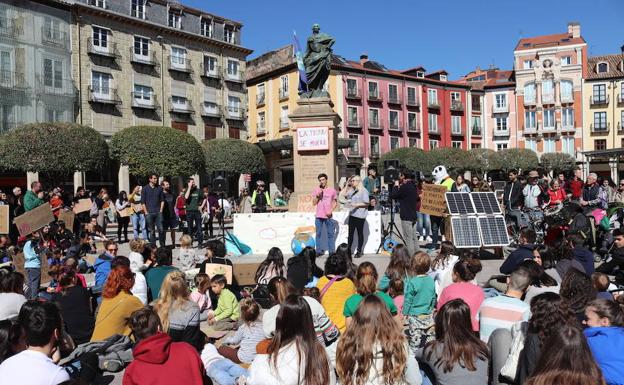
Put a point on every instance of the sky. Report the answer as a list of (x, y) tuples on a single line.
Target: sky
[(455, 35)]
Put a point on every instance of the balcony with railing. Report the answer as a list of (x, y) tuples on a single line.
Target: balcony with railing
[(413, 102), (148, 60), (374, 152), (260, 128), (235, 113), (548, 98), (501, 132), (457, 106), (105, 49), (434, 129), (413, 126), (395, 125), (500, 109), (104, 95), (13, 81), (433, 103), (375, 124), (476, 130), (180, 64), (260, 99), (234, 76), (211, 110), (566, 126), (353, 93), (283, 94), (11, 27), (178, 107), (210, 72), (146, 102), (600, 128), (394, 99), (599, 101), (457, 130), (354, 122), (284, 123), (55, 87), (54, 37), (375, 96)]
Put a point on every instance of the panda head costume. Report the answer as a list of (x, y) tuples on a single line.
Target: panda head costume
[(439, 174)]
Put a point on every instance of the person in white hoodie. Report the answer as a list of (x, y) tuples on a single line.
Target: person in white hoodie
[(220, 369), (373, 330), (442, 266), (137, 266), (295, 355)]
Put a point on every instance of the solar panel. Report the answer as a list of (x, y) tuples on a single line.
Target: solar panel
[(465, 232), (485, 203), (493, 231), (459, 203)]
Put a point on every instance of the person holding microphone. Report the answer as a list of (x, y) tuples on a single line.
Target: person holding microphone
[(325, 199)]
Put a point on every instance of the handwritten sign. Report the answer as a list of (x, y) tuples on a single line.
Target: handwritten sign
[(124, 213), (82, 206), (34, 219), (433, 200), (67, 217), (213, 269), (4, 219), (312, 138)]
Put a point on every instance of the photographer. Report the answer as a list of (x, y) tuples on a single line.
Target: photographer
[(406, 192)]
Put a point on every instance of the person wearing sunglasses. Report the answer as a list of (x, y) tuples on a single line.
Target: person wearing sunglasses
[(102, 265)]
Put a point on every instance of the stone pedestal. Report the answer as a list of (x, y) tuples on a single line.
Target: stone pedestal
[(314, 152)]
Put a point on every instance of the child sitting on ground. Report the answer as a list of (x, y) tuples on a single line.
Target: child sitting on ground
[(419, 302), (395, 290), (220, 369), (227, 313), (601, 282), (186, 258), (248, 335), (201, 296)]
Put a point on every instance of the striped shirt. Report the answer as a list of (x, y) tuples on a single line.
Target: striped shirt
[(501, 313), (247, 336)]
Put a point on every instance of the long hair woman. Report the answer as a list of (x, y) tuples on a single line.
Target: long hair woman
[(366, 284), (464, 273), (457, 356), (272, 266), (117, 304), (374, 349), (121, 204), (442, 266), (295, 355), (605, 336), (578, 290), (399, 265), (75, 305), (566, 359), (178, 314)]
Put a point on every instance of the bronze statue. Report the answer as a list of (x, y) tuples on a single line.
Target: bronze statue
[(317, 62)]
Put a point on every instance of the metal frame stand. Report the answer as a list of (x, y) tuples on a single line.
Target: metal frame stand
[(391, 230)]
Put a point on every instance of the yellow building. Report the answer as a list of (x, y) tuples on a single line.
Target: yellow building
[(603, 115)]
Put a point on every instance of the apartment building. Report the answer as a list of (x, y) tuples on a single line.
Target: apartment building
[(549, 73), (157, 62), (603, 114)]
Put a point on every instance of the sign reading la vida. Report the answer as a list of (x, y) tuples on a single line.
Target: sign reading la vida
[(313, 138)]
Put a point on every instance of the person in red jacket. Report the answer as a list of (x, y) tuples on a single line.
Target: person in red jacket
[(555, 193), (576, 185), (157, 359)]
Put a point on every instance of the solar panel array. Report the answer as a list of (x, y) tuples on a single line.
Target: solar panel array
[(459, 203), (465, 232), (485, 203), (493, 230)]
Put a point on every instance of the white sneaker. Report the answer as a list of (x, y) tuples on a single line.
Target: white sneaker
[(241, 380), (421, 238), (429, 239)]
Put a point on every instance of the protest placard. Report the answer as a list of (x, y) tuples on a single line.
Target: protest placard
[(34, 219), (4, 219), (433, 200), (67, 216), (83, 205)]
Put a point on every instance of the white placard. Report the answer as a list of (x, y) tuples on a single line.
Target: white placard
[(312, 138), (266, 230)]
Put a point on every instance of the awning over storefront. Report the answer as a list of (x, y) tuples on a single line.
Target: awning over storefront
[(286, 143), (611, 153)]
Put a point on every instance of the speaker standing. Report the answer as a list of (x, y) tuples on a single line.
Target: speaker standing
[(325, 199), (406, 192), (357, 202)]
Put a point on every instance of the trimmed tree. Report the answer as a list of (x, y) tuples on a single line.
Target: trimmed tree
[(480, 160), (515, 158), (233, 155), (410, 157), (163, 150), (56, 149), (558, 162)]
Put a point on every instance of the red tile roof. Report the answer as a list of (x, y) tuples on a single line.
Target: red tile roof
[(557, 39)]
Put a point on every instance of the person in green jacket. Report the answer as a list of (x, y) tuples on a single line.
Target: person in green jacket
[(227, 313), (31, 198), (155, 276)]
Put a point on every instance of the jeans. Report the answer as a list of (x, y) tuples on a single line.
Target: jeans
[(34, 280), (138, 221), (424, 224), (409, 230), (331, 237), (356, 224), (154, 223), (437, 224), (194, 221), (225, 372)]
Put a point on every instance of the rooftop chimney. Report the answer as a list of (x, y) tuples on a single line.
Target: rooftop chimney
[(574, 29), (363, 58)]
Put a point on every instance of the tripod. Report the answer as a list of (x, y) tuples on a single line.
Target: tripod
[(391, 231), (224, 232)]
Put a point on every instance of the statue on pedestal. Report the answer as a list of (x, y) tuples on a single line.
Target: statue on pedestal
[(317, 62)]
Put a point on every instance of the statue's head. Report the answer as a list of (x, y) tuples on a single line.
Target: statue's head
[(316, 28)]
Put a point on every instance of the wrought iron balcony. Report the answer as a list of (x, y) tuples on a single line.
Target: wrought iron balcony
[(211, 109), (413, 126), (374, 96), (139, 101), (599, 101), (284, 123), (530, 129), (148, 60), (549, 128), (181, 108), (104, 95), (457, 105), (504, 132), (11, 27), (54, 37), (55, 88), (353, 93), (375, 125), (500, 109), (180, 64), (602, 128), (457, 131), (354, 122), (433, 103), (394, 99), (210, 73), (260, 128), (105, 49), (374, 153), (13, 81), (395, 126), (234, 77), (235, 113), (413, 102)]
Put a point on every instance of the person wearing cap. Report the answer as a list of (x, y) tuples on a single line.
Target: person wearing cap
[(532, 191), (260, 198)]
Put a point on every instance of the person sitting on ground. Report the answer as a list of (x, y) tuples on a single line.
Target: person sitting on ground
[(75, 305), (248, 335), (200, 295), (524, 251), (420, 300), (442, 266), (366, 284), (11, 342), (117, 304), (158, 360), (601, 283), (335, 289), (302, 269), (463, 286), (566, 360), (272, 266), (178, 314), (578, 291), (398, 267), (502, 311), (156, 275), (541, 282), (456, 356), (396, 292), (78, 250), (605, 336), (186, 258), (102, 264), (11, 294), (215, 253), (344, 252), (582, 253), (617, 254), (221, 369), (41, 326), (227, 313), (374, 349), (72, 263)]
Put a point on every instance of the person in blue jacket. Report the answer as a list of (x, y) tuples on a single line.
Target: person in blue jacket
[(102, 264), (605, 335), (524, 251)]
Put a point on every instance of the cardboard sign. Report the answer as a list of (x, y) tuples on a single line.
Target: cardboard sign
[(67, 216), (433, 200), (304, 203), (245, 273), (312, 138), (34, 219), (213, 269), (137, 208), (124, 213), (4, 219), (83, 205)]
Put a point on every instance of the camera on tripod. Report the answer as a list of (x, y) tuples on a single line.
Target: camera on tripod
[(391, 171)]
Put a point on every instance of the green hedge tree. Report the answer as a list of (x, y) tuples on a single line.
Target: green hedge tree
[(558, 162), (56, 149), (412, 158), (163, 150), (481, 160), (515, 158), (233, 156)]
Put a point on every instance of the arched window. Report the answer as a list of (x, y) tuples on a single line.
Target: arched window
[(602, 68)]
